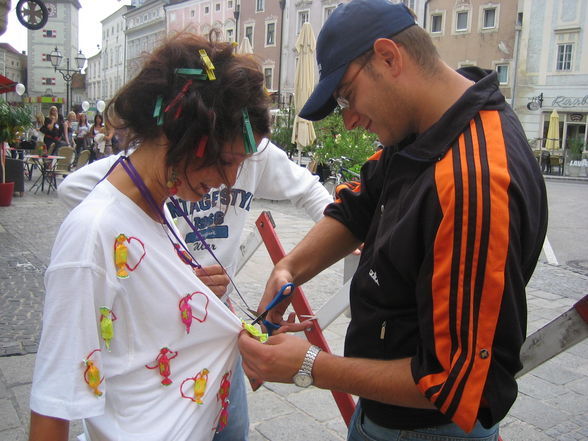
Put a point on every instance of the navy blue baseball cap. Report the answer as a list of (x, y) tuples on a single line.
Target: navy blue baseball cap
[(350, 31)]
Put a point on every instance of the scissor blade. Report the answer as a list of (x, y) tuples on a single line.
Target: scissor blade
[(260, 317)]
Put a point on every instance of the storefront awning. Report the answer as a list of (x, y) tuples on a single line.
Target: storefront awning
[(6, 84)]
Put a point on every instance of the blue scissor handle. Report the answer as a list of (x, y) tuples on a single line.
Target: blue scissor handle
[(281, 295), (270, 326)]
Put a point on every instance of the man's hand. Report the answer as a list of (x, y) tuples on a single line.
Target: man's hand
[(214, 277), (276, 360)]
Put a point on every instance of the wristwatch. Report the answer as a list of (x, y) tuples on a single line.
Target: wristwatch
[(303, 377)]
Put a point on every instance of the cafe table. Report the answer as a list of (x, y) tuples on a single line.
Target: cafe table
[(46, 165)]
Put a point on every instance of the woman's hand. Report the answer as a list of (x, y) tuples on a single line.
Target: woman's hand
[(214, 277)]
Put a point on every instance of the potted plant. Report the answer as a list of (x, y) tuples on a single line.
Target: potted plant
[(576, 147), (13, 120)]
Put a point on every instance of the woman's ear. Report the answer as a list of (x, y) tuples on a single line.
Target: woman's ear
[(388, 52)]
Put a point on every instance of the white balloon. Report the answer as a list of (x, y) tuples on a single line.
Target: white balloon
[(101, 105), (20, 88), (85, 106)]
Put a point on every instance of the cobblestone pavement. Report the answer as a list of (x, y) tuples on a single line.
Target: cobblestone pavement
[(552, 403)]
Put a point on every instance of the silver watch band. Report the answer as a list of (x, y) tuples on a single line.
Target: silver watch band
[(309, 358)]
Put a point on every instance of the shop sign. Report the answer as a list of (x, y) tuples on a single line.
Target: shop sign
[(43, 99), (570, 101)]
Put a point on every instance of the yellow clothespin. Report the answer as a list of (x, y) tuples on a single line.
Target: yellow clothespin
[(207, 64)]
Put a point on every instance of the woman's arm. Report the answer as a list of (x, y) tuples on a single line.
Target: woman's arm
[(44, 428)]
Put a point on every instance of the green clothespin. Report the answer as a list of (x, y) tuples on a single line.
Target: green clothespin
[(157, 113), (196, 73), (248, 138)]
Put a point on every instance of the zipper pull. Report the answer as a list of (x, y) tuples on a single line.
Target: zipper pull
[(383, 330)]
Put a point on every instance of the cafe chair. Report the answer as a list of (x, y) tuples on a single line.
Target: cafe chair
[(82, 159)]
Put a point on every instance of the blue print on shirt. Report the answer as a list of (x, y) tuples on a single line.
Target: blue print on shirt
[(210, 226)]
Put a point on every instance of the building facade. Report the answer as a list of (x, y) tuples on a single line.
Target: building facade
[(112, 53), (553, 69), (476, 33), (45, 85), (94, 78), (13, 65), (200, 16), (145, 29)]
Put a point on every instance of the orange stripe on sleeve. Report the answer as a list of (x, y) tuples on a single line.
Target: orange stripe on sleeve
[(466, 368)]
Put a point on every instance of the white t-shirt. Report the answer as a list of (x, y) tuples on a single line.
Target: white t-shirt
[(221, 214), (82, 278)]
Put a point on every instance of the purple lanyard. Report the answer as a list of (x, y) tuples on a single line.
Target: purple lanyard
[(136, 178)]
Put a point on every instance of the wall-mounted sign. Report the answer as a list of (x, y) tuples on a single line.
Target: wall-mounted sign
[(570, 101)]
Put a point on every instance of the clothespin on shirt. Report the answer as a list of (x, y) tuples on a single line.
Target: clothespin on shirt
[(248, 138)]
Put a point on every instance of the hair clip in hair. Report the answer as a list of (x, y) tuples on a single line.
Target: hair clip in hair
[(201, 146), (177, 98), (248, 138), (207, 64), (196, 73), (157, 111)]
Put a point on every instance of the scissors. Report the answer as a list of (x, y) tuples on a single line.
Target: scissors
[(281, 295)]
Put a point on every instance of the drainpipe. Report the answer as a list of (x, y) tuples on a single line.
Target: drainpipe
[(516, 62), (426, 7), (282, 7)]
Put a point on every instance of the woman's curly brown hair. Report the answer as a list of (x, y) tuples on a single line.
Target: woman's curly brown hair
[(209, 108)]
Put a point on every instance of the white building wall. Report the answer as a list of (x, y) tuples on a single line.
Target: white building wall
[(547, 24)]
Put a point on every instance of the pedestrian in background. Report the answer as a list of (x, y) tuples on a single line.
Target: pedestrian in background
[(453, 214)]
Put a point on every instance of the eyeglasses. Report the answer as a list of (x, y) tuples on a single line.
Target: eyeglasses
[(342, 101)]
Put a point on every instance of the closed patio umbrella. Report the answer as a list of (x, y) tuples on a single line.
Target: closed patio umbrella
[(552, 141), (245, 47), (303, 132)]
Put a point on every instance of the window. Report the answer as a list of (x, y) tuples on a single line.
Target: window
[(230, 4), (249, 33), (489, 18), (327, 12), (48, 81), (270, 34), (259, 5), (217, 7), (564, 56), (502, 70), (461, 23), (436, 23), (48, 33), (409, 3), (192, 13), (303, 17), (267, 75), (206, 9), (230, 35)]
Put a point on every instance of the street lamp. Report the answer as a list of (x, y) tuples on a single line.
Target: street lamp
[(55, 57), (236, 14)]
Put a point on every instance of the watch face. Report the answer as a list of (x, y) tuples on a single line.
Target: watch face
[(302, 379)]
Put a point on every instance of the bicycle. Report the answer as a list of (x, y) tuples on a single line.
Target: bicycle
[(339, 174)]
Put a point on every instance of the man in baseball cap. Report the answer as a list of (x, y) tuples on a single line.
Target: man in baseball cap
[(452, 214)]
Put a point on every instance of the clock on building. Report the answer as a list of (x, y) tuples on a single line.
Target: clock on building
[(52, 8)]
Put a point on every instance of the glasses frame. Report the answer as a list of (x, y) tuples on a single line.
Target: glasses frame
[(343, 102)]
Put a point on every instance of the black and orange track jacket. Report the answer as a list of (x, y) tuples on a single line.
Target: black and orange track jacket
[(453, 223)]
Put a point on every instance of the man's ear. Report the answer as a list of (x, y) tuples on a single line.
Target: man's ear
[(388, 52)]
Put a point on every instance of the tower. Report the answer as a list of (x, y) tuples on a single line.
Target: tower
[(46, 86)]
